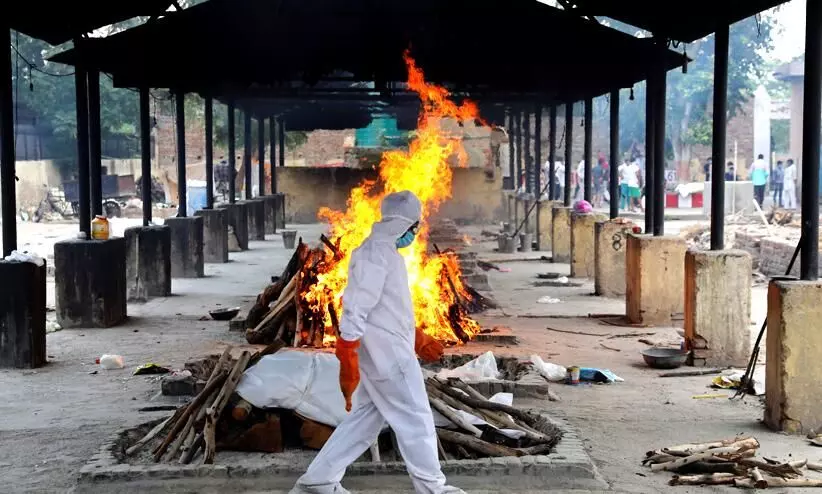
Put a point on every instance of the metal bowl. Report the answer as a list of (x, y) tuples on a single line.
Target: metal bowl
[(224, 314), (664, 358)]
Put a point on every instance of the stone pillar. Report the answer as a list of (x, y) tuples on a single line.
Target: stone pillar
[(582, 244), (519, 213), (718, 307), (561, 234), (280, 216), (215, 234), (511, 202), (546, 221), (610, 245), (793, 402), (237, 215), (654, 279), (186, 247), (256, 219), (22, 314), (270, 214), (148, 262), (90, 282)]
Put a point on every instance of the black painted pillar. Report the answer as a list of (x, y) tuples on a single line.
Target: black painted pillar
[(247, 153), (81, 97), (518, 134), (719, 139), (569, 151), (7, 156), (209, 151), (589, 148), (272, 137), (261, 156), (659, 152), (512, 172), (95, 143), (613, 176), (145, 154), (552, 153), (811, 120), (538, 151), (232, 151), (649, 152), (281, 130), (179, 102), (527, 164)]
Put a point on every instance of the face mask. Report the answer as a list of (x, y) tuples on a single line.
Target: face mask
[(406, 239)]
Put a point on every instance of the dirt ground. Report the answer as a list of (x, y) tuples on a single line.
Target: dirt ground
[(54, 418)]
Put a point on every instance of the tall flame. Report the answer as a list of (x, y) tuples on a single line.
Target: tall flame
[(423, 169)]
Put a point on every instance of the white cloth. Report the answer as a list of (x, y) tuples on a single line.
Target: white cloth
[(789, 188), (632, 175), (559, 173), (378, 311), (581, 170), (622, 172)]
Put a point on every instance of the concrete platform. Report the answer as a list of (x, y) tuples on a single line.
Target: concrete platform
[(90, 282), (655, 279), (148, 262), (256, 219), (582, 244), (215, 234), (794, 346), (567, 467), (186, 247), (271, 211), (545, 221), (22, 314), (610, 241), (238, 221), (561, 235)]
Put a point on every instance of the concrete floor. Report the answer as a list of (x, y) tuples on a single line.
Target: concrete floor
[(54, 418)]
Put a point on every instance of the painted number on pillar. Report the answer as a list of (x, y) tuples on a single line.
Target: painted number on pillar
[(617, 241)]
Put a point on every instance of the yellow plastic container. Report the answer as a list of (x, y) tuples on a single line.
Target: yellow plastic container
[(99, 228)]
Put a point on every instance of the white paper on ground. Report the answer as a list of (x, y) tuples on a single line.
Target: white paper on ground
[(549, 371), (502, 398), (482, 368), (297, 381)]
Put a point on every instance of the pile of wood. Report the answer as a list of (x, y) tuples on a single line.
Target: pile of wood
[(280, 312), (729, 462), (539, 436), (192, 429)]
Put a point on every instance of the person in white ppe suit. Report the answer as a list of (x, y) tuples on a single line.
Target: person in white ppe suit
[(386, 382)]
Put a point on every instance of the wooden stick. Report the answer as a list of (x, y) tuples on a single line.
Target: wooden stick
[(333, 248), (375, 452), (816, 467), (704, 372), (180, 423), (214, 411), (454, 417), (581, 333), (706, 479), (743, 443), (299, 328), (488, 405), (759, 481), (781, 470), (680, 462), (476, 444), (779, 482), (451, 284), (151, 434), (190, 453), (442, 454), (710, 466), (539, 449)]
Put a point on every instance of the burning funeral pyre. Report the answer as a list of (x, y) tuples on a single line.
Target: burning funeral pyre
[(304, 304)]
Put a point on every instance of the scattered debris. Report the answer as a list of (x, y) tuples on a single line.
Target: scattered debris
[(708, 396), (732, 379), (151, 368), (547, 299), (179, 384), (52, 327), (729, 462), (603, 345), (548, 276), (582, 333), (703, 372), (551, 372), (109, 362)]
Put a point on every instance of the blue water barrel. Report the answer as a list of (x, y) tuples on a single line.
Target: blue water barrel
[(196, 196)]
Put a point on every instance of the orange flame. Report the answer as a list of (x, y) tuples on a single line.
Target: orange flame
[(423, 169)]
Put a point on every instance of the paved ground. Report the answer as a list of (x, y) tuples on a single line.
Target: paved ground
[(55, 417)]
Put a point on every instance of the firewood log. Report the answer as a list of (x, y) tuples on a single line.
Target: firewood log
[(522, 415), (778, 482), (708, 467), (454, 417), (741, 442), (214, 411), (152, 434), (816, 467), (706, 479), (680, 462), (759, 481), (476, 444), (298, 330), (782, 469)]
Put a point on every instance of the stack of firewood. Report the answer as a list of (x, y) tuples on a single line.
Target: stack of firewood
[(729, 462), (280, 312), (192, 429), (538, 435)]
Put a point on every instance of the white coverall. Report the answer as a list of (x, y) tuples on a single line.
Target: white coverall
[(789, 187), (378, 311)]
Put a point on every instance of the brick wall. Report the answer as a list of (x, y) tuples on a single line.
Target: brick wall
[(166, 143), (771, 255), (325, 147), (741, 131)]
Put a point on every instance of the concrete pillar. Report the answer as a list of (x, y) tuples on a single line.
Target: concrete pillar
[(186, 247), (280, 214), (511, 202), (22, 314), (610, 245), (718, 307), (215, 234), (654, 279), (270, 214), (90, 282), (561, 234), (256, 219), (237, 215), (519, 212), (546, 221), (582, 244), (794, 355), (148, 262)]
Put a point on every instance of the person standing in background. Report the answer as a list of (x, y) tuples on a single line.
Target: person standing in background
[(759, 177), (598, 182), (622, 171), (777, 182), (730, 173), (580, 179), (559, 180), (707, 169), (789, 185)]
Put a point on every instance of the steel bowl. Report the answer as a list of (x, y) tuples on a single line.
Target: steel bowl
[(224, 314), (664, 358)]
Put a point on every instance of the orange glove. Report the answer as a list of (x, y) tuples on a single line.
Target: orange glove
[(429, 349), (349, 368)]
